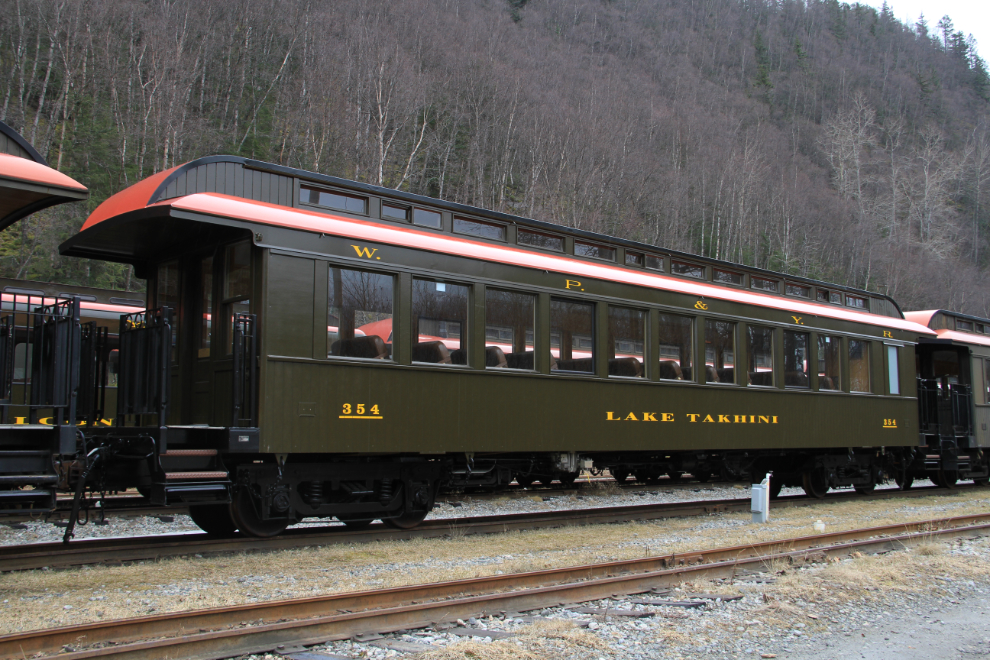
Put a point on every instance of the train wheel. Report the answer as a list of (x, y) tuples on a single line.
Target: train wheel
[(407, 520), (865, 490), (643, 476), (620, 474), (214, 519), (675, 475), (354, 521), (245, 516), (703, 476), (982, 482), (946, 478), (525, 482), (904, 481), (567, 479), (815, 482)]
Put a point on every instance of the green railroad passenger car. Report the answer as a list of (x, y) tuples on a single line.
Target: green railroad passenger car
[(340, 349)]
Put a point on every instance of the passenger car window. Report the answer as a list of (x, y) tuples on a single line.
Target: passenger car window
[(626, 337), (763, 284), (572, 336), (859, 365), (334, 200), (829, 363), (439, 311), (720, 351), (167, 295), (510, 319), (535, 239), (676, 347), (893, 371), (727, 277), (687, 270), (426, 218), (760, 355), (236, 286), (359, 315), (490, 230), (205, 306), (594, 251), (796, 359)]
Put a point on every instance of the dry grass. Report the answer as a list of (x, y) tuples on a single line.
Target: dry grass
[(819, 597), (37, 598)]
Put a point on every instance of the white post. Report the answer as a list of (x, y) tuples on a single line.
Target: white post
[(761, 500)]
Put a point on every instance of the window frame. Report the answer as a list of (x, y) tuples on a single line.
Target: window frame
[(595, 332), (412, 218), (893, 368), (465, 341), (869, 368), (391, 359), (598, 246), (227, 302), (865, 300), (663, 262), (753, 279), (704, 270), (501, 225), (634, 264), (523, 230), (645, 340), (773, 354), (807, 350), (715, 280), (536, 331), (407, 208), (735, 352), (307, 187)]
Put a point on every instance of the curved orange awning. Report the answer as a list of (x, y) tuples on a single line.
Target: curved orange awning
[(27, 186)]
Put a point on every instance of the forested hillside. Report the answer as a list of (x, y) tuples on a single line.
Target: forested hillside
[(810, 137)]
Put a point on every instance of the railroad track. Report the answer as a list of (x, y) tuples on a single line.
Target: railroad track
[(260, 627), (125, 549)]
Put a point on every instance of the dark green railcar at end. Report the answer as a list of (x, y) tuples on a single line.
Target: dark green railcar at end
[(318, 347)]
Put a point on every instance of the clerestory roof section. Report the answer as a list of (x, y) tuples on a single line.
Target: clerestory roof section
[(221, 193), (27, 183), (954, 326)]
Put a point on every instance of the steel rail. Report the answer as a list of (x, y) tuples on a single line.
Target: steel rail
[(143, 548), (260, 627)]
